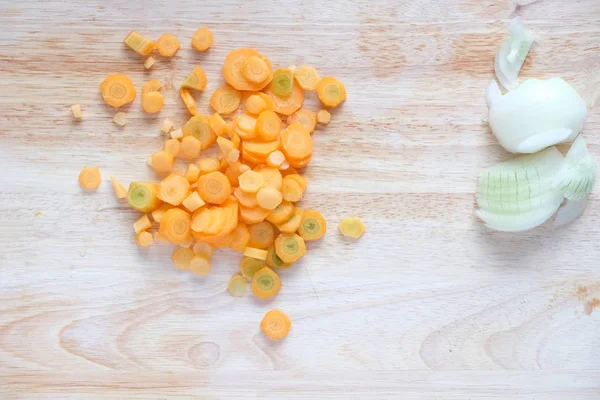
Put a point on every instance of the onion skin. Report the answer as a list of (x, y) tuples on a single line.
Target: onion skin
[(537, 107)]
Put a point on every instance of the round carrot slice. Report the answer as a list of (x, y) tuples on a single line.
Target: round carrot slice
[(307, 77), (313, 225), (268, 101), (202, 39), (246, 199), (250, 266), (117, 90), (269, 198), (274, 261), (182, 257), (293, 223), (289, 247), (167, 45), (262, 235), (253, 215), (281, 213), (255, 104), (214, 187), (304, 117), (175, 225), (282, 82), (255, 69), (265, 283), (198, 127), (268, 125), (225, 99), (232, 70), (271, 176), (174, 189), (199, 266), (331, 92), (240, 237), (251, 181), (287, 105), (89, 178), (296, 142), (275, 324), (233, 172)]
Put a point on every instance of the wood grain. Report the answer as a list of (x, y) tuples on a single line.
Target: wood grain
[(427, 305)]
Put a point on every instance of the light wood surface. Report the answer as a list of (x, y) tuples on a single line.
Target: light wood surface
[(427, 305)]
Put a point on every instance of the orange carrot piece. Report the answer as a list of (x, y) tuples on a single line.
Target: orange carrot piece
[(282, 213), (167, 45), (192, 173), (208, 164), (139, 43), (275, 159), (142, 224), (172, 146), (214, 187), (255, 69), (189, 101), (323, 117), (275, 324), (218, 125), (120, 191), (202, 39), (292, 190), (174, 189), (233, 172), (331, 92), (265, 283), (293, 223), (304, 117), (182, 258), (289, 247), (287, 105), (175, 225), (152, 102), (296, 142), (313, 225), (199, 266), (271, 176), (196, 80), (144, 239), (143, 196), (262, 235), (251, 181), (246, 199), (232, 70), (307, 77), (117, 90), (268, 125), (253, 215), (190, 147), (198, 126), (269, 198), (225, 99), (255, 104), (153, 85), (89, 178), (240, 238)]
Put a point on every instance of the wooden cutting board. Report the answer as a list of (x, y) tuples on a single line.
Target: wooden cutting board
[(429, 304)]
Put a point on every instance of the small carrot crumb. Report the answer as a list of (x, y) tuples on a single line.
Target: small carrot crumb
[(120, 191), (144, 239), (120, 118), (76, 110), (177, 133), (323, 117), (149, 62), (166, 126), (37, 214)]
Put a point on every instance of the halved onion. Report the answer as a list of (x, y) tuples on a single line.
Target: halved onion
[(569, 212), (512, 53), (538, 114), (518, 195)]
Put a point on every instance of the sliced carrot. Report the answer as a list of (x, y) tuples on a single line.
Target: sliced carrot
[(232, 70), (189, 101), (255, 104), (233, 172), (149, 62), (160, 211), (142, 224), (274, 261), (225, 145), (162, 161), (282, 82), (275, 324), (120, 118), (269, 198), (198, 127), (214, 187), (265, 283), (139, 43), (289, 247), (196, 80), (253, 252), (236, 140), (299, 163), (76, 110), (298, 178), (293, 223), (268, 101), (245, 126), (172, 146), (249, 266), (304, 117), (352, 227), (313, 225), (271, 176), (262, 235), (199, 266), (218, 125), (296, 142), (193, 202), (203, 250), (144, 239), (117, 90), (187, 244), (253, 215), (177, 171), (240, 238), (90, 178), (275, 159), (190, 147), (230, 224), (143, 196), (282, 213), (174, 189), (260, 149), (251, 158), (307, 77), (291, 189), (217, 221), (167, 45), (284, 165), (268, 125), (120, 191), (152, 102), (288, 171), (153, 85), (182, 258), (202, 39), (192, 173), (233, 156), (176, 133), (287, 105), (224, 242), (251, 181), (237, 286), (225, 99), (201, 220), (323, 117), (208, 164), (255, 69), (331, 92), (246, 199), (175, 225)]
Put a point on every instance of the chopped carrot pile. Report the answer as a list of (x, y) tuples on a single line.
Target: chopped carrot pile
[(244, 198)]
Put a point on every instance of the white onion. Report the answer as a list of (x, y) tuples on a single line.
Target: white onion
[(512, 53), (577, 174), (538, 114), (518, 195), (493, 93), (569, 212)]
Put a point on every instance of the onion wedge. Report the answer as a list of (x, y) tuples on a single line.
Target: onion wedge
[(569, 212), (577, 174), (512, 53)]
